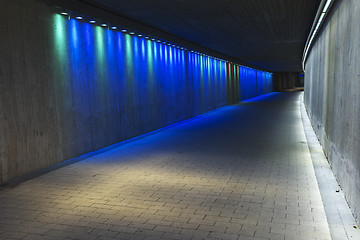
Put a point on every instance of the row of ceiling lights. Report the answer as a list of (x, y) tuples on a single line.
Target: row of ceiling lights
[(93, 21), (80, 17)]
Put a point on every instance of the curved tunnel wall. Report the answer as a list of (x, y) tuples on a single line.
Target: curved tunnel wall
[(68, 87), (332, 95)]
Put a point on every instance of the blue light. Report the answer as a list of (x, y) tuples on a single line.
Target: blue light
[(140, 35), (105, 65), (92, 21), (79, 18), (260, 98), (113, 28)]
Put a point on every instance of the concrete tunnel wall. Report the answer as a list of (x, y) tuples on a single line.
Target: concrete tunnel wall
[(332, 95), (68, 87)]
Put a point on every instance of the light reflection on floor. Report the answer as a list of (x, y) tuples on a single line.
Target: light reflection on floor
[(242, 172)]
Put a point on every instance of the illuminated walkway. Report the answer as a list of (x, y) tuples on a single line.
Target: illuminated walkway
[(241, 172)]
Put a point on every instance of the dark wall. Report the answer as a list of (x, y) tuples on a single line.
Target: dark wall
[(69, 87), (332, 95), (287, 80)]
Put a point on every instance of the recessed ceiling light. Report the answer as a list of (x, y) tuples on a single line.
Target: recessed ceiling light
[(92, 21), (79, 18)]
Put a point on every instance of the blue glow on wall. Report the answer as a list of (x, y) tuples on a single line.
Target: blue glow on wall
[(127, 85)]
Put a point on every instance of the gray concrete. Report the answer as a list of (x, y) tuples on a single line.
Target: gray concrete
[(241, 172), (68, 87), (341, 221), (332, 95)]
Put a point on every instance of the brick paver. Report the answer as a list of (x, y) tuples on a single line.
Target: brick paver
[(241, 172)]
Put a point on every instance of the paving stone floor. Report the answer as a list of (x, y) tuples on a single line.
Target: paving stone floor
[(242, 172)]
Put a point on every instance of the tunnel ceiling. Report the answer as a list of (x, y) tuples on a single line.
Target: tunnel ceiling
[(270, 34)]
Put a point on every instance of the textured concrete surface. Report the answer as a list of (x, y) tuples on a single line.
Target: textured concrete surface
[(68, 87), (332, 95), (242, 172), (340, 219)]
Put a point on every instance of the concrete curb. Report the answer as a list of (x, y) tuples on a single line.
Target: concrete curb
[(340, 219)]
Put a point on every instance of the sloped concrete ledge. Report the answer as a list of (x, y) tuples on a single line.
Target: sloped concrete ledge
[(340, 219)]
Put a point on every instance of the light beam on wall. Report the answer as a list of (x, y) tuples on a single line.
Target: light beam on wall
[(315, 31)]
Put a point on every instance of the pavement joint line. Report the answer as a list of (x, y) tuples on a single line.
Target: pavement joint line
[(18, 180), (148, 189)]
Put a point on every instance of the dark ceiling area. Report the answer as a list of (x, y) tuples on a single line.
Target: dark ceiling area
[(270, 34)]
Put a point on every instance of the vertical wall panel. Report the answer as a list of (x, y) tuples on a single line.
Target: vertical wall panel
[(69, 87), (332, 95)]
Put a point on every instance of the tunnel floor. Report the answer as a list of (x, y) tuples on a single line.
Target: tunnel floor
[(239, 172)]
